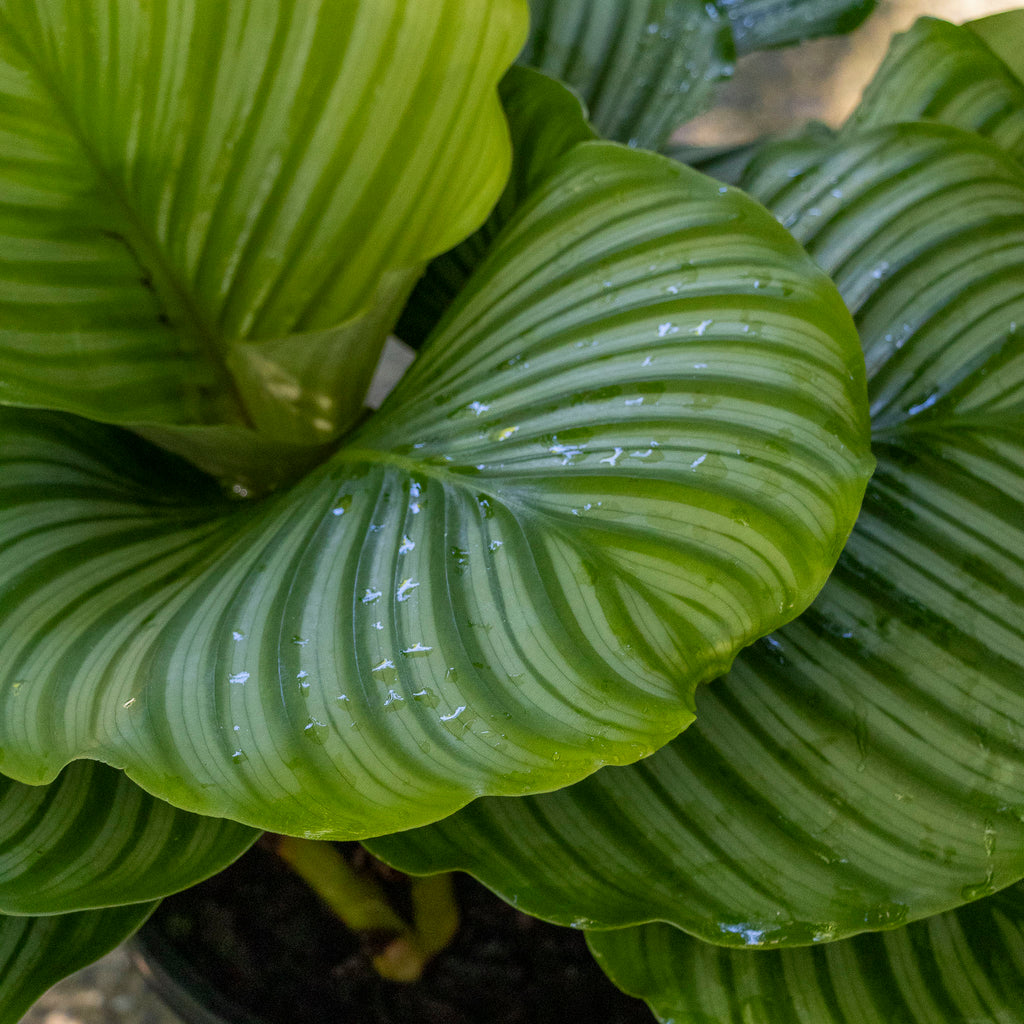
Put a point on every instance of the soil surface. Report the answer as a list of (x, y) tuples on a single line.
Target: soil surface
[(265, 942)]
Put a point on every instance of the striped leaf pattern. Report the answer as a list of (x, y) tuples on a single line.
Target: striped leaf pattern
[(931, 266), (762, 24), (546, 120), (638, 443), (643, 67), (863, 766), (942, 72), (37, 952), (962, 967), (212, 213), (93, 839)]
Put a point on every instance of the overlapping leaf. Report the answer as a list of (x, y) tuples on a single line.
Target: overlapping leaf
[(761, 24), (81, 862), (864, 765), (728, 163), (37, 952), (546, 120), (638, 444), (93, 839), (961, 967), (643, 68), (212, 213), (942, 72), (1004, 34)]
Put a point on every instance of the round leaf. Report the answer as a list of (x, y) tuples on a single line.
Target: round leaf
[(942, 72), (638, 443)]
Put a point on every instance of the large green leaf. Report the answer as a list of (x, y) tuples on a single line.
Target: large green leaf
[(643, 67), (37, 952), (942, 72), (864, 765), (211, 213), (93, 839), (961, 967), (638, 444)]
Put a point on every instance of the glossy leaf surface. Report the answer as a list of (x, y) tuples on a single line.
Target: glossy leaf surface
[(643, 68), (212, 213), (962, 967), (864, 765), (638, 444), (37, 952), (942, 72), (762, 24), (94, 839)]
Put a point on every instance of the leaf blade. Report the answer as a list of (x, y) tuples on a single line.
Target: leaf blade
[(861, 766), (641, 68), (92, 839), (765, 24), (1003, 33), (197, 196), (37, 952), (546, 119), (437, 577), (961, 966), (946, 73)]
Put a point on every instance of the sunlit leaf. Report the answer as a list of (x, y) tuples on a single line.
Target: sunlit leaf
[(211, 213), (37, 952), (962, 967), (94, 839), (864, 765), (643, 67), (638, 443)]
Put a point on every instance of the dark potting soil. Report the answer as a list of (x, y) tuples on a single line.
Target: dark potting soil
[(265, 942)]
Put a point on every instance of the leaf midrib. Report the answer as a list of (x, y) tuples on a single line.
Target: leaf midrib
[(443, 475), (224, 403)]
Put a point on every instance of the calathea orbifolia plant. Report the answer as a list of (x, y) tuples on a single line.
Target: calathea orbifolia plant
[(634, 442), (860, 769)]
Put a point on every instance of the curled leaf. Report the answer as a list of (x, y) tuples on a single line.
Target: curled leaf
[(638, 443)]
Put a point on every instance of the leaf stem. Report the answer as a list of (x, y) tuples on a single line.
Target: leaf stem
[(399, 951)]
